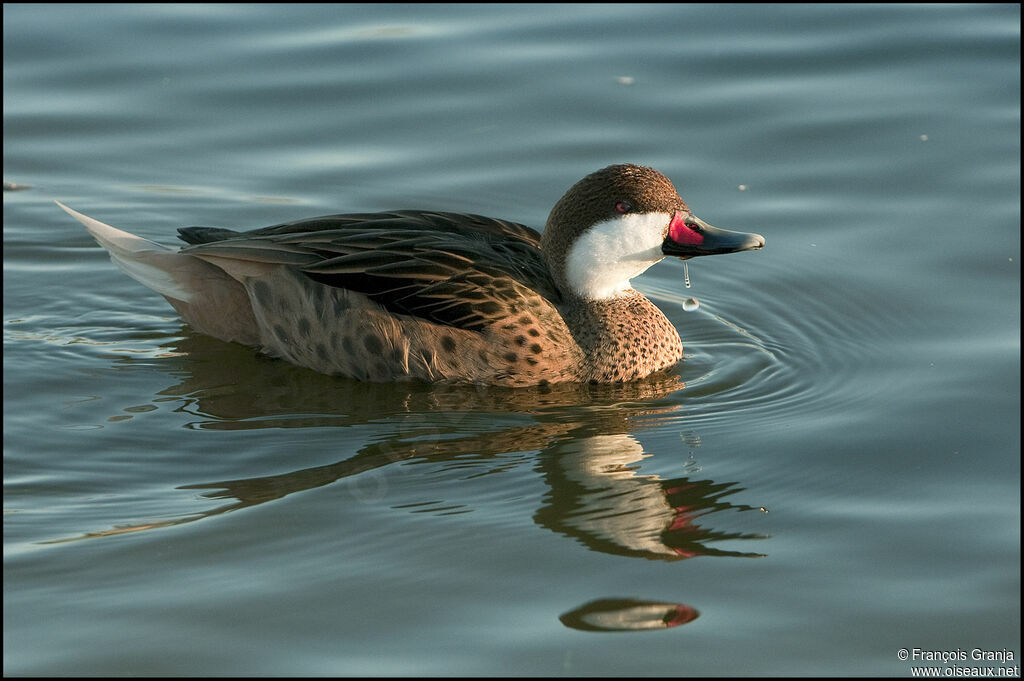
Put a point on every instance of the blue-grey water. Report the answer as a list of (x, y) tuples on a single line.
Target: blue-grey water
[(831, 476)]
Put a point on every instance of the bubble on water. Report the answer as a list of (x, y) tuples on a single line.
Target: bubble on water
[(691, 304)]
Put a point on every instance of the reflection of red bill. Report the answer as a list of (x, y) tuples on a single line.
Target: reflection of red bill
[(682, 615), (628, 614)]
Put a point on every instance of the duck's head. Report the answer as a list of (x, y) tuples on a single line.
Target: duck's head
[(615, 223)]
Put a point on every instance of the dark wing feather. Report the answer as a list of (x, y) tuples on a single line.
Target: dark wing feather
[(397, 221), (465, 271)]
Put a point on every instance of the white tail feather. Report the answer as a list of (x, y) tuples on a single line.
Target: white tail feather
[(151, 264)]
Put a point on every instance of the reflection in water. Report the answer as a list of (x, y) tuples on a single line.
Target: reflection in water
[(581, 435), (599, 499), (627, 614)]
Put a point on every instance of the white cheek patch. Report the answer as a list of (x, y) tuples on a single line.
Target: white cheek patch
[(603, 260)]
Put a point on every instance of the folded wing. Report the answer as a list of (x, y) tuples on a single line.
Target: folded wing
[(461, 270)]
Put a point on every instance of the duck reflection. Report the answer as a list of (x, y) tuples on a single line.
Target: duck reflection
[(582, 435), (628, 614), (598, 498), (594, 497)]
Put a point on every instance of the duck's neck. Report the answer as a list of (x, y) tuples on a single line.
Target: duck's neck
[(623, 338)]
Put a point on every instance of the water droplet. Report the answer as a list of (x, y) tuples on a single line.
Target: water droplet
[(686, 274), (691, 304)]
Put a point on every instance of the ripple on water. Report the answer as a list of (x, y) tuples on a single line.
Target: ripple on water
[(793, 355)]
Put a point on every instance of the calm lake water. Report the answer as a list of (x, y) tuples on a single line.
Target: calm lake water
[(831, 475)]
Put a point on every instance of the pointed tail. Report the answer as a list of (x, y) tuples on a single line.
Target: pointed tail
[(153, 265)]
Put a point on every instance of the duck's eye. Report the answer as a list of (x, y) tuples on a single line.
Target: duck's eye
[(623, 206)]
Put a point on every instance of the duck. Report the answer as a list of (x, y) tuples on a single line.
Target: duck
[(443, 297)]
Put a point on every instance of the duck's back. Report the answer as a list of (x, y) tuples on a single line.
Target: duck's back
[(403, 294)]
